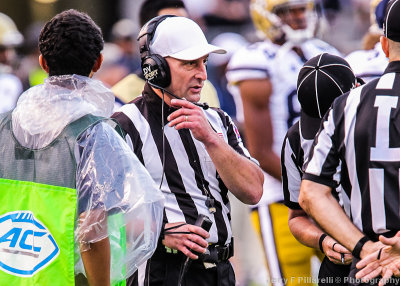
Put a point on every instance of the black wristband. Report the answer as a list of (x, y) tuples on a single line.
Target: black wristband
[(321, 239), (357, 249)]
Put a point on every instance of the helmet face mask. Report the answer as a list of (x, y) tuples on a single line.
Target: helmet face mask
[(293, 20), (294, 17)]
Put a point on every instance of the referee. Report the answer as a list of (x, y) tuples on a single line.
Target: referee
[(321, 79), (194, 154), (362, 130)]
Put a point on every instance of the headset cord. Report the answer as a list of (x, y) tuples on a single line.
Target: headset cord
[(183, 269), (163, 138), (162, 174)]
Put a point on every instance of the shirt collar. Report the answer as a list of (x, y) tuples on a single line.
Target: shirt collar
[(154, 102), (393, 67)]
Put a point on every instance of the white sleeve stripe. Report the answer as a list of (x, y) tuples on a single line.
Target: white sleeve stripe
[(293, 175), (350, 111)]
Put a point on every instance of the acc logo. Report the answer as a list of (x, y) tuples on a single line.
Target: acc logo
[(26, 245)]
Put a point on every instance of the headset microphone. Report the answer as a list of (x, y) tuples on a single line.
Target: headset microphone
[(203, 105)]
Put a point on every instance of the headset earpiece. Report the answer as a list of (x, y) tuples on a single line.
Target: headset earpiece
[(156, 70), (154, 67)]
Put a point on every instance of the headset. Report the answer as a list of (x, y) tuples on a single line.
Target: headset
[(154, 67)]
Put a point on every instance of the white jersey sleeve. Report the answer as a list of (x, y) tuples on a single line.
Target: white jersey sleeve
[(368, 64), (314, 47), (251, 62)]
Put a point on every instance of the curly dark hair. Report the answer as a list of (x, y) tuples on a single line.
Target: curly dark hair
[(70, 43)]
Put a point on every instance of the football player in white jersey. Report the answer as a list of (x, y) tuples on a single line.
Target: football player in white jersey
[(10, 85), (370, 62), (262, 78)]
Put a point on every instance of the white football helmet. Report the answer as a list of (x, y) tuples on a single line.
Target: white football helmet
[(270, 17), (9, 34)]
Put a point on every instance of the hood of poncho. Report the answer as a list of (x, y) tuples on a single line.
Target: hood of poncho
[(43, 111)]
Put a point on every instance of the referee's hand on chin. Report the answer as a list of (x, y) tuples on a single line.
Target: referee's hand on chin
[(185, 238)]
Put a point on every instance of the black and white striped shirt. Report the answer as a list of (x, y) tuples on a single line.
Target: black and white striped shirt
[(295, 150), (363, 131), (187, 164)]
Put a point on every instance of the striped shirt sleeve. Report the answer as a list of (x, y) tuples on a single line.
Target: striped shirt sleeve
[(291, 176), (323, 161), (233, 135)]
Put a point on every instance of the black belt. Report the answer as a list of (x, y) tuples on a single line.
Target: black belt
[(217, 253)]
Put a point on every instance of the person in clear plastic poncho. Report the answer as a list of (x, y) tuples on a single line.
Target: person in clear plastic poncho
[(75, 199)]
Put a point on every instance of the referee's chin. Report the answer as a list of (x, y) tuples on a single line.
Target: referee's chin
[(192, 97)]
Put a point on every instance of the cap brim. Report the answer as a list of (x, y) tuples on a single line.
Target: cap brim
[(309, 126), (197, 52)]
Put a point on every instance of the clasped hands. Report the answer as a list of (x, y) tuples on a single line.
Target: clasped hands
[(382, 261)]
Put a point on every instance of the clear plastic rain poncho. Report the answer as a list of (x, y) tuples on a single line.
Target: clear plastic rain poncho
[(114, 190)]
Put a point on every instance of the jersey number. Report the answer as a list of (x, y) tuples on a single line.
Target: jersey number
[(293, 108)]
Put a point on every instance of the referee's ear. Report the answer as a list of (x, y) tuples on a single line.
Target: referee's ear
[(385, 45)]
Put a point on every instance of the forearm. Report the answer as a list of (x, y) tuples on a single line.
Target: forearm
[(258, 124), (260, 144), (317, 201), (305, 231), (270, 163), (97, 263), (241, 176)]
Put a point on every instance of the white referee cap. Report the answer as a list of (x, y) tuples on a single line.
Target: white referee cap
[(181, 38)]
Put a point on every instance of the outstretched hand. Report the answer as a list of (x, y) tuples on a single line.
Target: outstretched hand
[(385, 261)]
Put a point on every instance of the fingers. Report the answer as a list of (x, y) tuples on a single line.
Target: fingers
[(184, 118), (387, 273), (188, 253), (348, 258), (193, 240), (195, 245), (340, 248), (336, 252), (368, 277), (389, 241), (182, 121), (182, 103), (336, 257), (368, 259), (198, 231), (395, 269), (369, 272)]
